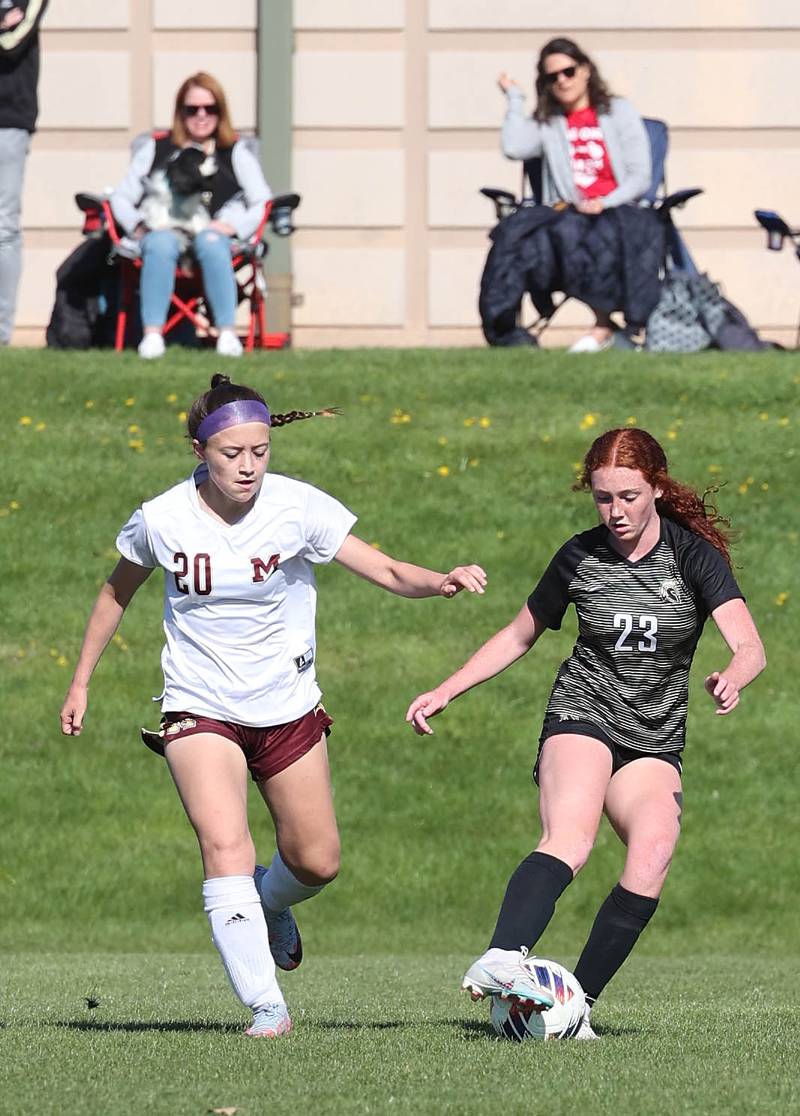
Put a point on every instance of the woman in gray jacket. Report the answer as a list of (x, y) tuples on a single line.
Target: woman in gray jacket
[(593, 146)]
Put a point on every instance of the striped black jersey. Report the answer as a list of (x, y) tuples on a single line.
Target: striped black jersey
[(638, 627)]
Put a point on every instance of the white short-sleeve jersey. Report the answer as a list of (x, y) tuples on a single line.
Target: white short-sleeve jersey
[(239, 601)]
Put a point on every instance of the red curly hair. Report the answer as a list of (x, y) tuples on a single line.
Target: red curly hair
[(631, 448)]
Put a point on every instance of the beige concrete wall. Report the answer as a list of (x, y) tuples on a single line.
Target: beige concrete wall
[(110, 69), (397, 127)]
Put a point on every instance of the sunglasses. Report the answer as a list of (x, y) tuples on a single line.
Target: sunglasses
[(567, 72), (193, 110)]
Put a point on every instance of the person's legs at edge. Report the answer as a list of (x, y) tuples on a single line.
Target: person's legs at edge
[(573, 775), (210, 774), (160, 253), (307, 858), (643, 803), (213, 251), (14, 144)]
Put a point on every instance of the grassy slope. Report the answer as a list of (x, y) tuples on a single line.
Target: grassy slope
[(97, 859)]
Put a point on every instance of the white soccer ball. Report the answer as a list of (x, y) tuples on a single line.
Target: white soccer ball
[(518, 1020)]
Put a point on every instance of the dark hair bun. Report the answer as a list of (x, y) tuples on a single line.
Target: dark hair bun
[(218, 379)]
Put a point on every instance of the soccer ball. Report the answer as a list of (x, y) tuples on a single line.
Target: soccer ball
[(517, 1020)]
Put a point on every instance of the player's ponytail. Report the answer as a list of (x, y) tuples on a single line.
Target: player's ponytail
[(631, 448), (222, 391)]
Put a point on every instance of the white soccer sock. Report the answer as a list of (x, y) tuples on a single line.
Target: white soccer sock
[(239, 932), (281, 888)]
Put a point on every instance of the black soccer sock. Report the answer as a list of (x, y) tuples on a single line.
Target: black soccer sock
[(616, 928), (530, 900)]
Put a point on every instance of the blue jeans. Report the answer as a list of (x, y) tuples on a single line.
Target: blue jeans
[(161, 250), (14, 144)]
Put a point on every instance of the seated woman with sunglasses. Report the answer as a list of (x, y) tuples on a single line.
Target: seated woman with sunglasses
[(237, 193), (593, 146)]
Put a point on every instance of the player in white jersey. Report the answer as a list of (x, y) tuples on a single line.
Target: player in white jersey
[(643, 584), (238, 545)]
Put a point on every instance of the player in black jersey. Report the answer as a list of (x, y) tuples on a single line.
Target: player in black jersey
[(643, 584)]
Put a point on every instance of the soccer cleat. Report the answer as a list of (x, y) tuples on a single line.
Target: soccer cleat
[(270, 1021), (228, 344), (499, 972), (285, 943), (585, 1030), (151, 346)]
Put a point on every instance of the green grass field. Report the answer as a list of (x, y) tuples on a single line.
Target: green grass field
[(446, 457)]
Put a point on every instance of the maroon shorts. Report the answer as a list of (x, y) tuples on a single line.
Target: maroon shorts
[(267, 750)]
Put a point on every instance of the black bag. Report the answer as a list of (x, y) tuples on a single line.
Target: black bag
[(82, 314)]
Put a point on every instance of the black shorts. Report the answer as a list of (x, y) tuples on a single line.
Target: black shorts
[(620, 756)]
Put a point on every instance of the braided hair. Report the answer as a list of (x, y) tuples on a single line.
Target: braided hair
[(631, 448), (222, 391)]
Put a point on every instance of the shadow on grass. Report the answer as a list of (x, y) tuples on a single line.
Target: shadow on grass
[(181, 1025)]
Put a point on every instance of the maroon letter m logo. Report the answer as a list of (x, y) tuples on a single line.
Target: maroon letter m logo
[(262, 569)]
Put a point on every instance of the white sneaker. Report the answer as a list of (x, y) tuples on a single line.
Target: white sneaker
[(585, 1030), (151, 346), (499, 972), (228, 344), (589, 344), (270, 1021)]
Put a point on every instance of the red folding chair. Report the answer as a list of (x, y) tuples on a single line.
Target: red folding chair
[(188, 298)]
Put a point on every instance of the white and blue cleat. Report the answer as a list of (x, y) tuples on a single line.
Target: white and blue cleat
[(285, 943), (500, 972)]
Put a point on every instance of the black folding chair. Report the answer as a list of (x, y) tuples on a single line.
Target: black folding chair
[(777, 232), (678, 257)]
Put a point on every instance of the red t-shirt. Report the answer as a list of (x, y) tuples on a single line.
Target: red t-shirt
[(591, 166)]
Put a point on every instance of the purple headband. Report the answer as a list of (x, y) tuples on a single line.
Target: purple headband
[(232, 414)]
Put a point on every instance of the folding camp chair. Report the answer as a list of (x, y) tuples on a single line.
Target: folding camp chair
[(777, 232), (188, 302), (677, 257)]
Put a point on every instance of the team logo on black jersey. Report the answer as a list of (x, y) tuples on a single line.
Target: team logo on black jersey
[(669, 590)]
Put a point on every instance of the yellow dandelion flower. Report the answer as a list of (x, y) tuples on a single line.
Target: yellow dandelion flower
[(765, 486), (181, 416), (749, 480), (715, 469), (129, 402), (577, 466), (40, 426), (485, 422), (470, 421), (53, 653), (672, 435), (630, 420), (89, 404), (133, 428), (15, 505), (783, 421), (473, 462), (399, 417), (443, 471), (136, 444), (743, 489), (26, 420), (763, 415), (781, 599), (441, 440), (588, 421), (501, 534), (547, 438), (62, 660), (172, 397)]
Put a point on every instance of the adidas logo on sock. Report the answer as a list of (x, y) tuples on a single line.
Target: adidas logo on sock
[(237, 918)]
